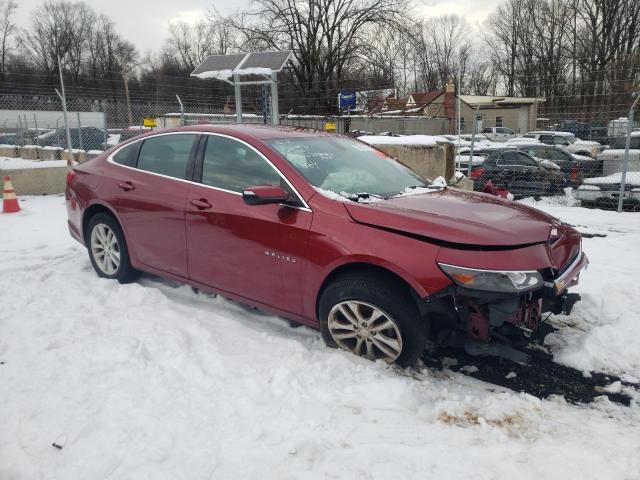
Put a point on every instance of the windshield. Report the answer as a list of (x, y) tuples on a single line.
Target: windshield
[(347, 167)]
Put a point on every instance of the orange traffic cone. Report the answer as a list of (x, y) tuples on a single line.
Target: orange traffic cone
[(9, 201)]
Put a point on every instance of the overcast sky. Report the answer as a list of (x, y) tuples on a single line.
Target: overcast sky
[(145, 22)]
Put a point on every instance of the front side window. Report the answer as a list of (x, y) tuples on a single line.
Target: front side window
[(166, 154), (234, 166), (346, 166)]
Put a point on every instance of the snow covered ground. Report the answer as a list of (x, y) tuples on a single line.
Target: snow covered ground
[(151, 380)]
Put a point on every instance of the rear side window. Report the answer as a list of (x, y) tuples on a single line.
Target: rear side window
[(516, 159), (546, 139), (231, 165), (166, 154), (127, 156), (487, 130)]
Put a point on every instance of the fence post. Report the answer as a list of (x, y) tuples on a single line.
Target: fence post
[(625, 162), (37, 134), (106, 135), (79, 131), (63, 98), (181, 110)]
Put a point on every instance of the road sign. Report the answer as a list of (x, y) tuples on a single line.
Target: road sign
[(330, 126), (346, 99), (150, 122)]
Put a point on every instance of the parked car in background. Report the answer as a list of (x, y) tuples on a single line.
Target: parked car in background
[(86, 138), (8, 139), (518, 172), (568, 141), (604, 191), (327, 231), (120, 135), (498, 134), (574, 167)]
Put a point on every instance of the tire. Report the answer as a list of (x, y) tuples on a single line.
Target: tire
[(114, 262), (347, 306)]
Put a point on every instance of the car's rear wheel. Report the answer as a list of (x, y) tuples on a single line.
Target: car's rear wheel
[(108, 250), (374, 317)]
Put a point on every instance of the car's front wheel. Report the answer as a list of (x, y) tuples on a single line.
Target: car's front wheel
[(108, 250), (374, 317)]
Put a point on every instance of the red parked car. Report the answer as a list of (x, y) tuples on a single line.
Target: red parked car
[(326, 231)]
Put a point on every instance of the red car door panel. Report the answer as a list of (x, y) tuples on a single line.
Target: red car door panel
[(253, 251)]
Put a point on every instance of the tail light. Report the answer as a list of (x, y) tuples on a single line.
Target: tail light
[(70, 175), (575, 175), (477, 172)]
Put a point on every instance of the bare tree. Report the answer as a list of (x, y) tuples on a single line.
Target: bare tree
[(57, 28), (7, 30), (326, 36)]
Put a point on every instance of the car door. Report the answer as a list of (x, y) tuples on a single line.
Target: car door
[(148, 191), (254, 251)]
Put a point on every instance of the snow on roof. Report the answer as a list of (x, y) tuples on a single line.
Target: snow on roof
[(546, 132), (476, 99), (409, 140)]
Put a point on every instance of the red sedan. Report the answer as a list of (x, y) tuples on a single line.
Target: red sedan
[(326, 231)]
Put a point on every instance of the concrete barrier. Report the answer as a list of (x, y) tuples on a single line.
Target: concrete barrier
[(50, 153), (39, 181), (29, 152), (428, 161), (93, 153), (8, 151), (78, 155)]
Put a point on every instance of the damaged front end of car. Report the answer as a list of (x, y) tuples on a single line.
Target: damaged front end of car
[(499, 311)]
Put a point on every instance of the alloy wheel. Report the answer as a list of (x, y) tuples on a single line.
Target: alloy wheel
[(105, 249), (365, 330)]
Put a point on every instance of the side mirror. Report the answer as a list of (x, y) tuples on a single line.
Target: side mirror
[(264, 195)]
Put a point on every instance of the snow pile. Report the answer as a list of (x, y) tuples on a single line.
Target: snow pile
[(151, 380), (19, 163), (614, 178), (409, 140)]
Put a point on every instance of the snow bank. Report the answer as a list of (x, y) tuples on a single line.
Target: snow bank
[(17, 163), (151, 380), (615, 178), (602, 331), (409, 140)]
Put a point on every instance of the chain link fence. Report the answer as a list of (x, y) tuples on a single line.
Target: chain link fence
[(580, 159)]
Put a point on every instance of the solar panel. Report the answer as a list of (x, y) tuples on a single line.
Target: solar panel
[(217, 63), (221, 66), (272, 60)]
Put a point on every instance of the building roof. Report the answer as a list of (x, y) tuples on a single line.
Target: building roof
[(490, 99)]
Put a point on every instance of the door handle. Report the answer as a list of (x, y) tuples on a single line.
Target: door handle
[(126, 186), (201, 203)]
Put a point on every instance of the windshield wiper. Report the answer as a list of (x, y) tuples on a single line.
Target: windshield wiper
[(356, 197)]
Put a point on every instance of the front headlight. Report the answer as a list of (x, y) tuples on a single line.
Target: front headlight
[(506, 281)]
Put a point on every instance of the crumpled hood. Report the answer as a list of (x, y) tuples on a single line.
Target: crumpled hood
[(459, 217)]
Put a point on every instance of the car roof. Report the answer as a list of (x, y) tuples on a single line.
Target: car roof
[(543, 132), (261, 132)]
